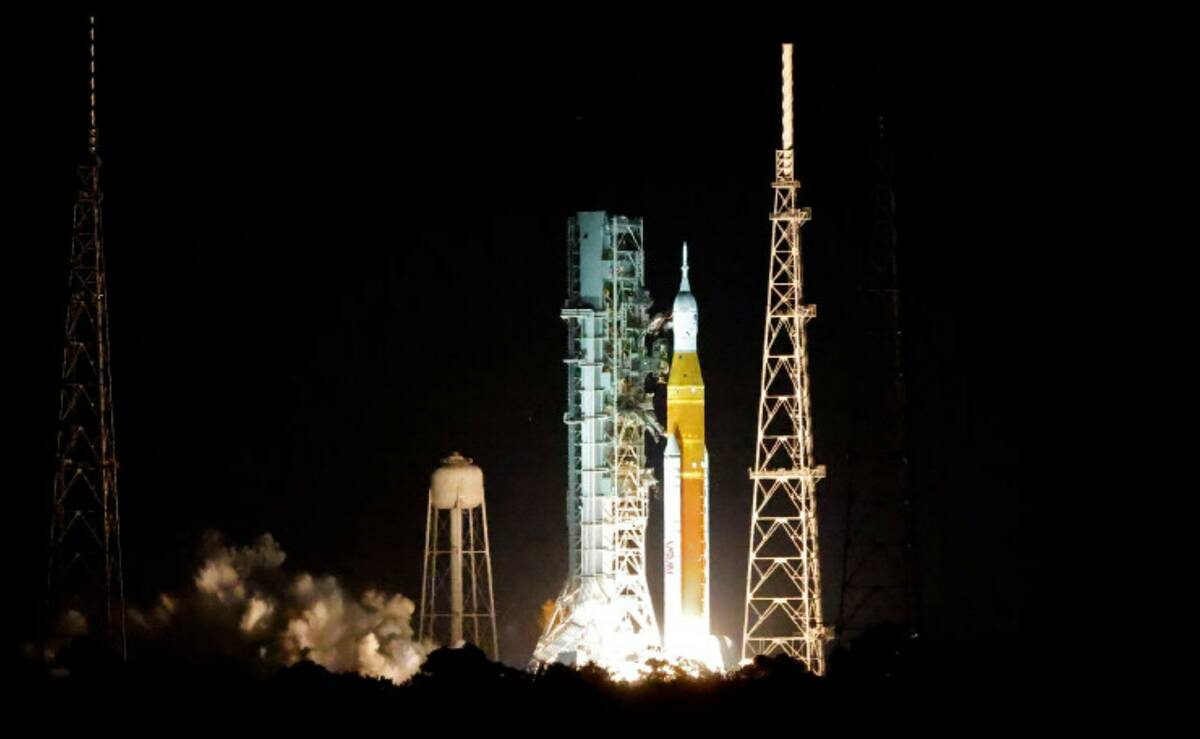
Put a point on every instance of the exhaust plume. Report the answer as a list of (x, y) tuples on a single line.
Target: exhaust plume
[(246, 606)]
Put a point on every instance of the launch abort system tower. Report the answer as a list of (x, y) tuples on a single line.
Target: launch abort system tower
[(604, 613)]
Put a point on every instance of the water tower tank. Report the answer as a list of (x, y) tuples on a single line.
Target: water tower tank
[(456, 481)]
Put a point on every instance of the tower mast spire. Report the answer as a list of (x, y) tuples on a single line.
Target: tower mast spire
[(93, 131), (788, 104), (684, 285)]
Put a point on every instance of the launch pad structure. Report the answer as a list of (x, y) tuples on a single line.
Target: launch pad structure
[(604, 613)]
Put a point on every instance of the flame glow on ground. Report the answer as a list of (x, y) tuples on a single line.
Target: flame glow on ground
[(692, 652)]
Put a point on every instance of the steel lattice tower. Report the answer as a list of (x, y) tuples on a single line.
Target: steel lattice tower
[(84, 572), (783, 579), (634, 418), (878, 560)]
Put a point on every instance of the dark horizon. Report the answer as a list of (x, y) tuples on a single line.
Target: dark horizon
[(336, 254)]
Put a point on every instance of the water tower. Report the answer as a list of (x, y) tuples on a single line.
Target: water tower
[(456, 588)]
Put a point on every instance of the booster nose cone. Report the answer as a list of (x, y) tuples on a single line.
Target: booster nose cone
[(672, 449)]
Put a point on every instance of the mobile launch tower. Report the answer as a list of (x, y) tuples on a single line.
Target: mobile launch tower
[(604, 613)]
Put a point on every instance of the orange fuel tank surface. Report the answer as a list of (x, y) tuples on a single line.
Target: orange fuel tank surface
[(685, 420)]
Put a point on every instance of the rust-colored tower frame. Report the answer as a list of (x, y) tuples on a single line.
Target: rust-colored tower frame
[(84, 572)]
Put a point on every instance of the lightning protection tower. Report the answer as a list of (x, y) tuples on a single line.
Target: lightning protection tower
[(783, 579), (457, 603), (85, 593), (879, 574)]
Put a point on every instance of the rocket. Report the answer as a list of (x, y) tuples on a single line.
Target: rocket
[(686, 611)]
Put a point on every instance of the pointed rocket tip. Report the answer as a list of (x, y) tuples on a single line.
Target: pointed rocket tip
[(684, 285)]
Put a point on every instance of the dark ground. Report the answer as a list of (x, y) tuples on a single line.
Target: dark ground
[(886, 682)]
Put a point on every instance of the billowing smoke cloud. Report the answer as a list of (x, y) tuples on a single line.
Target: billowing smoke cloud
[(246, 605)]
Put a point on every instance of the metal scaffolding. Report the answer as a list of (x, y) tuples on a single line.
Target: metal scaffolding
[(604, 613)]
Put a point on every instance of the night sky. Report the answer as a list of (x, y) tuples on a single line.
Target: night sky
[(336, 253)]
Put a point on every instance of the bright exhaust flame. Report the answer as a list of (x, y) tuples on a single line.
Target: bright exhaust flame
[(600, 635), (691, 644), (636, 668), (629, 659)]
